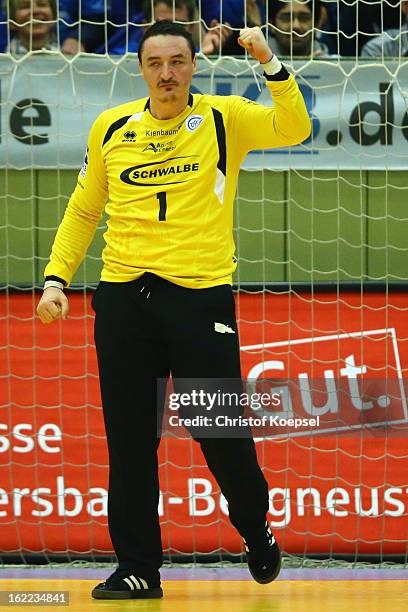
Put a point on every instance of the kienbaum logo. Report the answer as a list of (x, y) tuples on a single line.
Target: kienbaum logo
[(193, 122), (174, 170), (161, 132), (129, 136)]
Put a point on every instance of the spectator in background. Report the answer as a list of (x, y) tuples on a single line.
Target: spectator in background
[(359, 22), (330, 35), (68, 30), (101, 26), (392, 43), (208, 42), (235, 13), (32, 26), (293, 25)]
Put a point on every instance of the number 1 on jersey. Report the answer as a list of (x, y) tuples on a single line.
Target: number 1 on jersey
[(162, 197)]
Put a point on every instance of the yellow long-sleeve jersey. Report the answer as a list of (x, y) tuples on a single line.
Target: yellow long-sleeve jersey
[(169, 185)]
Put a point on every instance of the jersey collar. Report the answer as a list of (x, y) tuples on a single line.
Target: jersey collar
[(190, 102)]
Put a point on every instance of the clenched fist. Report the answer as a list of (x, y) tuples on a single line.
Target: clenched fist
[(253, 40), (53, 305)]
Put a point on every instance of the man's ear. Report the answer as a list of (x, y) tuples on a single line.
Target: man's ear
[(195, 63)]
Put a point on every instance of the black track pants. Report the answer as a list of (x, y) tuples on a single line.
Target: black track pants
[(144, 330)]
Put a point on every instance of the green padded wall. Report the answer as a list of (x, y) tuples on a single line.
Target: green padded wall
[(387, 226), (18, 223), (54, 190), (260, 237), (289, 226)]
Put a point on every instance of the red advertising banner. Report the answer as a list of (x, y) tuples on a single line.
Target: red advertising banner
[(341, 487)]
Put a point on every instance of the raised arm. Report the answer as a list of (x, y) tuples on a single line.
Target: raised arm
[(285, 124)]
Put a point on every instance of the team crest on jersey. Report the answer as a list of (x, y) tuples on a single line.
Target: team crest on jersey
[(129, 136), (193, 122), (85, 164)]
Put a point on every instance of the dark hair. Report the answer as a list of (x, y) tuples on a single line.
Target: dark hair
[(190, 5), (166, 28), (274, 6)]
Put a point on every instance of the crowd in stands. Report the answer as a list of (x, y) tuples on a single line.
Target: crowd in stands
[(302, 28)]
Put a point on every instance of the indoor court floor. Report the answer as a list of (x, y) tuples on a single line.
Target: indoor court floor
[(226, 590)]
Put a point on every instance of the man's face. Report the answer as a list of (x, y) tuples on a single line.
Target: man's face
[(29, 12), (167, 67), (297, 20)]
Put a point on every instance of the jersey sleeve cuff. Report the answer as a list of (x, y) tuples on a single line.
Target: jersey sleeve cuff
[(57, 279), (282, 75)]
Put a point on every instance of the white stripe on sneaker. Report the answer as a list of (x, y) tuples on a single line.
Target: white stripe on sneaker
[(271, 537), (135, 581), (143, 581), (129, 583)]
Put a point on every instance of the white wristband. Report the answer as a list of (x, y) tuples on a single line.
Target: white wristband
[(273, 66), (53, 283)]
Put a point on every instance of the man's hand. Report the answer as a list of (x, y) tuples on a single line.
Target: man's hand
[(253, 40), (72, 46), (53, 305), (215, 38)]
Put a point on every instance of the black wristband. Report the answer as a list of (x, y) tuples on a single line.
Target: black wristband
[(56, 278), (282, 75)]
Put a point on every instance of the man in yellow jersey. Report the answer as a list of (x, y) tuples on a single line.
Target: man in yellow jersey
[(165, 168)]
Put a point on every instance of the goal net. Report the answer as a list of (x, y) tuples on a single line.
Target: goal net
[(321, 233)]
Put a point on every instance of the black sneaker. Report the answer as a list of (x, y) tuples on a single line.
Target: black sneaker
[(125, 584), (263, 557)]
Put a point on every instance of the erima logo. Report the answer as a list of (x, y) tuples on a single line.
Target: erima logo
[(160, 146), (193, 122), (129, 136), (85, 164), (146, 175), (247, 101), (223, 329)]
